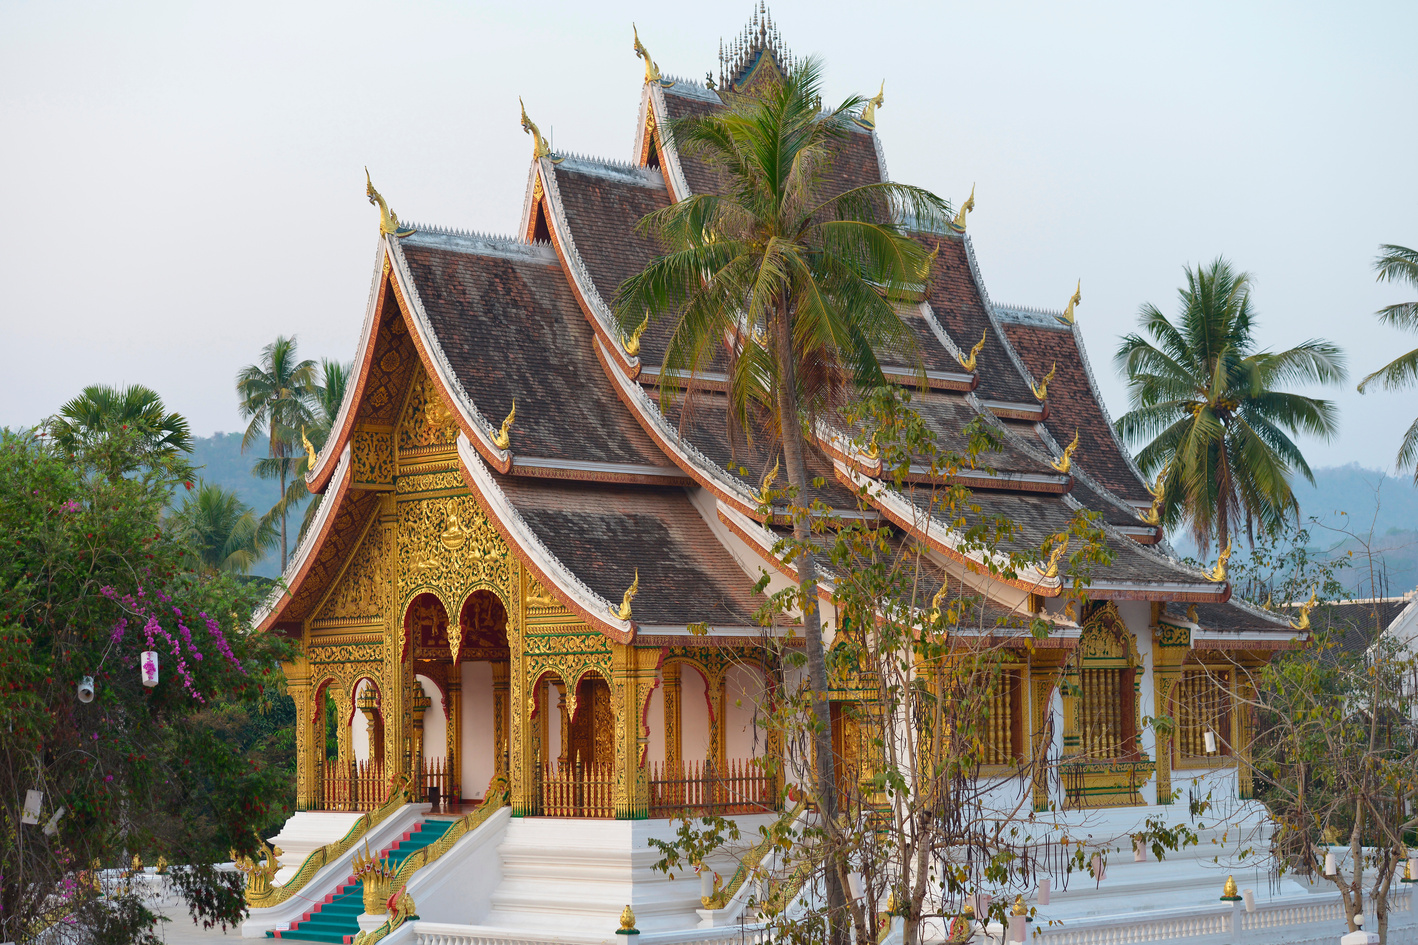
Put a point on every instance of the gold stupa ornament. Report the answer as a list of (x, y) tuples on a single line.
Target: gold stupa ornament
[(627, 922), (1229, 893)]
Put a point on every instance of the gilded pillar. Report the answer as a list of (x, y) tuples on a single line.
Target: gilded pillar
[(674, 752), (1042, 681), (633, 672), (1242, 698), (453, 727), (501, 690), (1170, 646), (395, 697), (344, 736), (718, 725), (298, 685), (524, 750)]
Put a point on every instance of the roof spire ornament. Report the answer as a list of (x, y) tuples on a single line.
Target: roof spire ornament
[(631, 342), (652, 70), (1153, 516), (624, 612), (1042, 390), (1075, 299), (540, 148), (388, 219), (968, 361), (868, 116), (310, 454), (503, 437), (1303, 623), (1218, 573), (1051, 570), (1065, 462), (958, 224)]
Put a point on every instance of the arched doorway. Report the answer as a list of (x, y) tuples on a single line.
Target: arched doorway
[(479, 696), (576, 769)]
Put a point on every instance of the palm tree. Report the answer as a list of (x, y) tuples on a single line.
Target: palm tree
[(122, 429), (1399, 264), (222, 532), (803, 284), (274, 396), (1218, 431), (323, 400)]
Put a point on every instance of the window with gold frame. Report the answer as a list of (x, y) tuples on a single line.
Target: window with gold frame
[(1201, 703)]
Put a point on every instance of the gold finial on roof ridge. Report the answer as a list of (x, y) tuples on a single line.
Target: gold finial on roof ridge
[(938, 599), (1042, 390), (968, 363), (624, 612), (540, 148), (1051, 570), (652, 69), (631, 342), (1065, 462), (503, 437), (1218, 573), (1076, 299), (959, 222), (1153, 516), (1192, 615), (868, 117), (1303, 623), (310, 454), (767, 484), (388, 219)]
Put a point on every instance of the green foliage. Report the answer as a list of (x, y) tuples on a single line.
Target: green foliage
[(1399, 264), (221, 531), (92, 578), (1207, 404), (123, 430)]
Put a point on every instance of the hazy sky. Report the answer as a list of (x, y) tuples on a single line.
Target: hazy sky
[(183, 182)]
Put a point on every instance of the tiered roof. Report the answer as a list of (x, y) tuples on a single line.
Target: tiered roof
[(600, 478)]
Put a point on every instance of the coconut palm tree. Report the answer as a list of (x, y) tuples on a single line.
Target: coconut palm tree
[(275, 397), (323, 400), (122, 429), (1399, 264), (1205, 402), (222, 532), (801, 281)]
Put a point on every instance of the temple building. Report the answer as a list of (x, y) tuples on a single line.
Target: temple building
[(530, 578)]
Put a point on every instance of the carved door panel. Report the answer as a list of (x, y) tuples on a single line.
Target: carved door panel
[(593, 728)]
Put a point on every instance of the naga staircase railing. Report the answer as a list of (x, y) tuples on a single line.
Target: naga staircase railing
[(261, 896)]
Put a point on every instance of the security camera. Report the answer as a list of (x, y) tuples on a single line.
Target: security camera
[(86, 690)]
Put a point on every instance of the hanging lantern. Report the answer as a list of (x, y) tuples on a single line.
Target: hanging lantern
[(855, 885), (1043, 897), (148, 663), (1139, 851), (1329, 866), (1209, 737)]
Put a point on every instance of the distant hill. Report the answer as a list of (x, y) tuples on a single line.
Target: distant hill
[(1354, 506), (222, 463)]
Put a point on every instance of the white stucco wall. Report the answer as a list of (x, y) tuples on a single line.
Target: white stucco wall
[(359, 727), (435, 724), (655, 721), (744, 691), (475, 741), (694, 715)]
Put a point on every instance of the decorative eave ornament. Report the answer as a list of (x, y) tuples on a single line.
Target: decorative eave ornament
[(1218, 573), (868, 117), (652, 69), (388, 219), (958, 224), (1153, 516), (1065, 462), (766, 487), (968, 362), (502, 439), (1051, 570), (1041, 391), (624, 612), (1076, 299), (540, 148), (1303, 623), (310, 454), (631, 342)]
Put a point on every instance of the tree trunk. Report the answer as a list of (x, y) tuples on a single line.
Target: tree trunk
[(283, 519), (790, 422)]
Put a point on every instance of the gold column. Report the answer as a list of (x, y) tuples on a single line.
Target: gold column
[(453, 727), (298, 685), (718, 742), (674, 751), (500, 693), (394, 693), (344, 738), (1243, 693), (561, 692), (1042, 679), (420, 704), (1170, 645), (634, 676)]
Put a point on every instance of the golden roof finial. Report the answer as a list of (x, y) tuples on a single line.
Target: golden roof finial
[(1192, 615), (310, 454), (388, 219), (959, 222), (1218, 573), (1153, 516), (968, 362), (632, 340), (503, 437), (1075, 299), (1065, 462), (1229, 893), (1042, 390), (767, 484), (624, 612), (1269, 602), (652, 71), (1304, 622), (938, 599), (540, 148), (868, 117), (1051, 570), (627, 919)]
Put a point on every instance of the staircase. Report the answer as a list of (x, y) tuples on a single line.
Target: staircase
[(336, 918)]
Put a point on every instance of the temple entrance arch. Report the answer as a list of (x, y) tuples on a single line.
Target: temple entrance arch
[(478, 694), (575, 735)]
